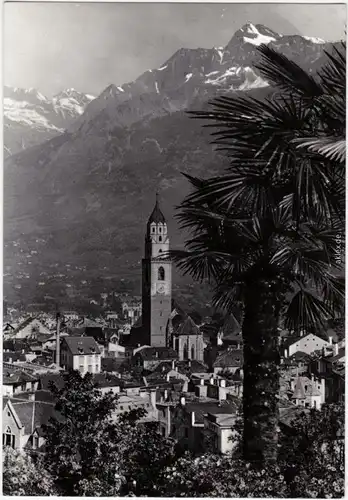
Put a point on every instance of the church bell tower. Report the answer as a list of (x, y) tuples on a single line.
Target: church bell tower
[(156, 279)]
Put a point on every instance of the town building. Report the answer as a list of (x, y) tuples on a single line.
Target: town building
[(308, 393), (304, 343), (22, 420), (230, 361), (29, 328), (149, 358), (80, 353)]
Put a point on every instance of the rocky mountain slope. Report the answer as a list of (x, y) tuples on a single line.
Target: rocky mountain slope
[(30, 118), (76, 206)]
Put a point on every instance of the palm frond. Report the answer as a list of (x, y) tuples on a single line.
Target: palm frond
[(332, 148), (286, 74)]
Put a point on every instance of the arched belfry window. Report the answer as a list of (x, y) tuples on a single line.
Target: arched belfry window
[(185, 351), (160, 238), (161, 274), (193, 352)]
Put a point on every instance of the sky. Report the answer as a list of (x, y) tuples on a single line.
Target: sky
[(52, 46)]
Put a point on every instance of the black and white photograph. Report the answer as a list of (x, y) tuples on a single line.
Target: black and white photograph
[(174, 197)]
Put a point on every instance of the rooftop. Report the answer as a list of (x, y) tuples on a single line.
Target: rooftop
[(153, 353), (230, 357), (81, 345), (157, 215)]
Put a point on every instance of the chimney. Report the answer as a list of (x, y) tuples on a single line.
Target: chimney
[(211, 381), (201, 382), (285, 353), (335, 349), (182, 401), (189, 363), (173, 364), (223, 383), (165, 394), (32, 396), (58, 341), (156, 354), (330, 340)]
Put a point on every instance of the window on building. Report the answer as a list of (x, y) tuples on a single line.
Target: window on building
[(8, 439), (161, 313), (160, 250), (90, 368), (161, 274), (193, 352), (160, 229), (160, 238), (153, 229), (81, 360), (82, 368)]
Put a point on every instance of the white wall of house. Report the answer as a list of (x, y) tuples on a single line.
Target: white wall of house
[(308, 344), (87, 363)]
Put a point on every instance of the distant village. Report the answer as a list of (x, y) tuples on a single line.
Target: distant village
[(187, 374)]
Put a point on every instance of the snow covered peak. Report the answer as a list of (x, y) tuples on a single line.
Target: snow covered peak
[(257, 36), (314, 39), (20, 94)]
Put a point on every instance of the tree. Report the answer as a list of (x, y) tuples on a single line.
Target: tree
[(92, 453), (265, 233), (84, 447), (23, 477), (148, 453), (313, 453)]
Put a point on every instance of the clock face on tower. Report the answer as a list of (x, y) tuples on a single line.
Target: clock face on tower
[(160, 289)]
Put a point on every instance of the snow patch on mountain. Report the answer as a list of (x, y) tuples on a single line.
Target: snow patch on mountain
[(188, 77), (162, 68), (20, 112), (314, 39), (258, 37), (221, 79)]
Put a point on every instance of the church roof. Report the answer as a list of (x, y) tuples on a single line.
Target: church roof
[(157, 215), (188, 327)]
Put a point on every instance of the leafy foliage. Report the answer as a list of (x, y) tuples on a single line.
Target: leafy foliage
[(23, 477), (90, 452)]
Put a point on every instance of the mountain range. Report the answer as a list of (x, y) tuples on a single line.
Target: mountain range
[(30, 118), (76, 206)]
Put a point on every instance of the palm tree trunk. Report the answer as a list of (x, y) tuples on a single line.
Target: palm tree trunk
[(261, 372)]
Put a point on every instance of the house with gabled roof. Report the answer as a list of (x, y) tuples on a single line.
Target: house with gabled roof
[(29, 328), (22, 421), (80, 353), (308, 344), (15, 380)]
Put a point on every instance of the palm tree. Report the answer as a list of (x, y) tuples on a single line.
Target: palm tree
[(264, 233)]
